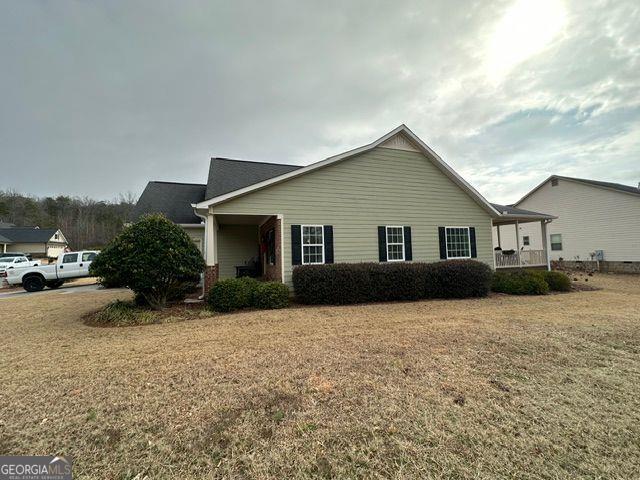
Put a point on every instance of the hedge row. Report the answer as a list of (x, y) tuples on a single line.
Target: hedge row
[(238, 293), (530, 282), (347, 283)]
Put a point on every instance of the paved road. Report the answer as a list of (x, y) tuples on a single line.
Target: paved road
[(64, 290)]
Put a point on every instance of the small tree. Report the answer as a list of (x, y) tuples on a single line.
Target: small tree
[(153, 257)]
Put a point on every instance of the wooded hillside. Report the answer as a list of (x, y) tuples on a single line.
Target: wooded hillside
[(85, 222)]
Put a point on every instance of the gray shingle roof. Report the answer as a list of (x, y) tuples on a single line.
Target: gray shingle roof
[(4, 239), (597, 183), (28, 234), (171, 199), (511, 210), (227, 175)]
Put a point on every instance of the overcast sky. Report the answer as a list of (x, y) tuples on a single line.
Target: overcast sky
[(97, 98)]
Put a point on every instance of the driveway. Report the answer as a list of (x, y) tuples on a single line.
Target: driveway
[(64, 290)]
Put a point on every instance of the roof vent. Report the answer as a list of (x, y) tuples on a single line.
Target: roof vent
[(554, 182)]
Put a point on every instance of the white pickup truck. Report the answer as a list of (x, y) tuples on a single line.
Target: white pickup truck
[(7, 263), (70, 265)]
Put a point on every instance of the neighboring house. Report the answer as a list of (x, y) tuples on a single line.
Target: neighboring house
[(39, 242), (391, 200), (593, 218)]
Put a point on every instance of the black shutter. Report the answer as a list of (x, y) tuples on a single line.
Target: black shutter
[(382, 244), (296, 245), (443, 243), (408, 252), (472, 240), (328, 243)]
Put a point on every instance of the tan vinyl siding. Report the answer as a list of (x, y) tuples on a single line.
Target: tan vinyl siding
[(197, 235), (589, 218), (379, 187), (237, 244)]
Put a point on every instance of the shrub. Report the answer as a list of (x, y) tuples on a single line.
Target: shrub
[(271, 295), (122, 314), (347, 283), (458, 279), (153, 257), (520, 282), (230, 294), (557, 281)]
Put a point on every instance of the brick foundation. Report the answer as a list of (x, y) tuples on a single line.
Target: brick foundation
[(210, 276), (272, 272), (606, 266)]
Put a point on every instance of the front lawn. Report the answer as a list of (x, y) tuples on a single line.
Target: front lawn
[(501, 387)]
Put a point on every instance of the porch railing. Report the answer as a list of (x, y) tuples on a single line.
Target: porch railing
[(528, 258)]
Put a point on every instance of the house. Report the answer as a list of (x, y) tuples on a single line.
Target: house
[(39, 242), (392, 200), (595, 221)]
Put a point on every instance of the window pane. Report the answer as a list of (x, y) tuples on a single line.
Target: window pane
[(458, 244), (312, 254), (311, 235), (70, 258), (394, 234), (394, 252)]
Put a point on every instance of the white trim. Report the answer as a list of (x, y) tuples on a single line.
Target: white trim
[(446, 242), (425, 149), (281, 218), (310, 245), (386, 242)]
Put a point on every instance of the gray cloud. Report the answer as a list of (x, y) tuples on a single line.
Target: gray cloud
[(99, 98)]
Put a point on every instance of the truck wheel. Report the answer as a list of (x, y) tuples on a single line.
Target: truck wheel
[(34, 283), (56, 284)]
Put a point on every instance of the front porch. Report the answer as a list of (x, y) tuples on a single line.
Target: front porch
[(238, 245), (520, 238)]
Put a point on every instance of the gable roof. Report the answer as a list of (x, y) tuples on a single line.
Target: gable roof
[(402, 129), (4, 239), (595, 183), (171, 199), (227, 175), (28, 234)]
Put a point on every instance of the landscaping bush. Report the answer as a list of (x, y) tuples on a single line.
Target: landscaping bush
[(123, 314), (458, 279), (230, 294), (153, 257), (271, 295), (238, 293), (347, 283), (520, 282), (557, 281)]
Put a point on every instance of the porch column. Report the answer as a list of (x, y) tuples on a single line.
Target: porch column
[(498, 228), (543, 227), (210, 251), (518, 242)]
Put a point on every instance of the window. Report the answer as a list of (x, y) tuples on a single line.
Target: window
[(56, 237), (458, 242), (395, 244), (70, 258), (525, 240), (88, 256), (556, 241), (312, 244)]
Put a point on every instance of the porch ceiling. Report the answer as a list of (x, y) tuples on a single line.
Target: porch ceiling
[(236, 219)]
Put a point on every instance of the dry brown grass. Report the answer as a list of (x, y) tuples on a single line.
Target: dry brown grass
[(504, 387)]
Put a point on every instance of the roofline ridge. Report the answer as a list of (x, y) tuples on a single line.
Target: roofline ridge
[(256, 161), (178, 183)]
